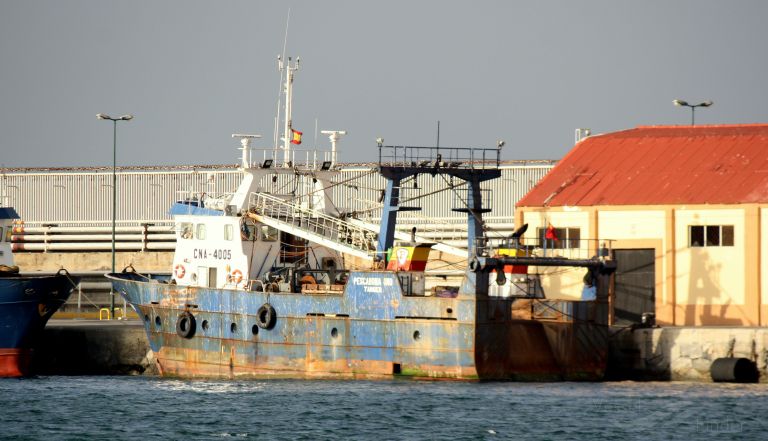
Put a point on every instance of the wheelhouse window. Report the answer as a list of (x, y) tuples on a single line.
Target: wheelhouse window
[(268, 234), (200, 233), (248, 230), (2, 236), (228, 232), (560, 237), (186, 230), (710, 236)]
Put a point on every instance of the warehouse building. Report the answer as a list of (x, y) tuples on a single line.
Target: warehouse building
[(684, 210)]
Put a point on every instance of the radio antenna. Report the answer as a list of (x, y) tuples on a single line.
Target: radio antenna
[(285, 39), (280, 59)]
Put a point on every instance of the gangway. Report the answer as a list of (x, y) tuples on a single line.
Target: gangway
[(312, 225), (400, 235)]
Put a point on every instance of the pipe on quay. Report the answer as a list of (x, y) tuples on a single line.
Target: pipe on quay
[(734, 370)]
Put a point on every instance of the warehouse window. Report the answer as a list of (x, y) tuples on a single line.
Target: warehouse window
[(710, 235), (563, 238)]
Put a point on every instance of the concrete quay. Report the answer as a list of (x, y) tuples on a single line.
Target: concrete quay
[(683, 353), (94, 347)]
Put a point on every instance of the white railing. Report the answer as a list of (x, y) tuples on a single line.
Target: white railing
[(313, 159), (314, 222)]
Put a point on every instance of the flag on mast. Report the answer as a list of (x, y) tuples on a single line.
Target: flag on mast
[(295, 137)]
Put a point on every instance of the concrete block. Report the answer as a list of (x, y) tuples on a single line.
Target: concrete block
[(690, 349), (701, 365)]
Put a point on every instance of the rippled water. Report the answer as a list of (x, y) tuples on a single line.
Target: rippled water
[(131, 407)]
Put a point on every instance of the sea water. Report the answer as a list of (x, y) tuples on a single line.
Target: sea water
[(130, 408)]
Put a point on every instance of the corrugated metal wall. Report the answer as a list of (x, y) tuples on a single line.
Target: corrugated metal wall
[(86, 196)]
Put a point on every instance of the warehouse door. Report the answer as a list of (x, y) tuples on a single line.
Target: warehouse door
[(635, 285)]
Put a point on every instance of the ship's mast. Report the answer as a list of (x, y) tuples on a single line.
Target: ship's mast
[(288, 90)]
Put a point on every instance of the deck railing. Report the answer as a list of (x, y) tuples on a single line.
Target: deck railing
[(439, 157)]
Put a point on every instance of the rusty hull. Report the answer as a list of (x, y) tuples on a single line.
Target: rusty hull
[(368, 331)]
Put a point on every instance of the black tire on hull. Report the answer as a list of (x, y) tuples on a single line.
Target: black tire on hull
[(185, 325), (266, 316)]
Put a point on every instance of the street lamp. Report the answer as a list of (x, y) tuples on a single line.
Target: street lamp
[(114, 195), (681, 103)]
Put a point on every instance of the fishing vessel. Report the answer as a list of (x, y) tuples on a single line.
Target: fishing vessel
[(26, 303), (264, 284)]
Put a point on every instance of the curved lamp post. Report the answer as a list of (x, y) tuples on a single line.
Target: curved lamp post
[(681, 103), (114, 195)]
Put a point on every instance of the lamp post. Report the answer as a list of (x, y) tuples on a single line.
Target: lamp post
[(114, 195), (681, 103)]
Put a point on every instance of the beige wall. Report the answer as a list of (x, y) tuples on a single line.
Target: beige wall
[(80, 262), (694, 286), (558, 282)]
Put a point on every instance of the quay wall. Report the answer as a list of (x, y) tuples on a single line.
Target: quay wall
[(94, 347), (683, 353), (142, 261)]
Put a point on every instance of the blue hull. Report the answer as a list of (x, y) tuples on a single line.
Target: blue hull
[(368, 330), (26, 304)]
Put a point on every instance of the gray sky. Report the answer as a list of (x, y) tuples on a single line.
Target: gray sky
[(193, 72)]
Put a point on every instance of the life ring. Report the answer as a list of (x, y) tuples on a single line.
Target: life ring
[(266, 316), (185, 325), (179, 271), (237, 276)]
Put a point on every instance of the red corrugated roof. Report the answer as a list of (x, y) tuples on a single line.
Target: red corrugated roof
[(661, 165)]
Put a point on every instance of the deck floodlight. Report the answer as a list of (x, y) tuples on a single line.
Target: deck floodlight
[(267, 163), (326, 165)]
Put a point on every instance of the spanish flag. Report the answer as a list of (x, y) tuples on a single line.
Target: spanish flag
[(296, 138)]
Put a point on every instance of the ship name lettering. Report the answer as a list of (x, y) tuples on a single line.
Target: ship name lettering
[(367, 281)]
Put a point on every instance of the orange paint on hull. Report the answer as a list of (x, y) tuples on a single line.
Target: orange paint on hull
[(15, 362)]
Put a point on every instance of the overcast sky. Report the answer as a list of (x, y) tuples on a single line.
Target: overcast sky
[(194, 72)]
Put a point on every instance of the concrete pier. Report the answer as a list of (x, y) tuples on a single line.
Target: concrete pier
[(94, 347), (683, 353)]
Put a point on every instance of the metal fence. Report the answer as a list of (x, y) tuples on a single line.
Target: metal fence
[(84, 196)]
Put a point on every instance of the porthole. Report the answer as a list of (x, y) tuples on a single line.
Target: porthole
[(334, 332), (233, 327), (158, 322), (449, 310), (254, 329), (416, 335), (205, 325), (146, 318)]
